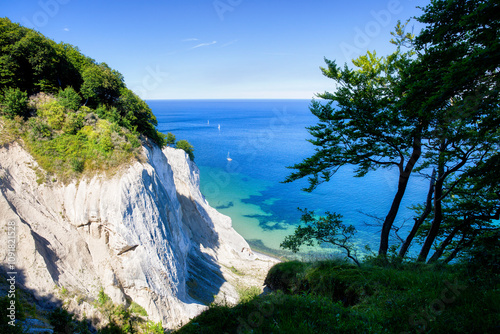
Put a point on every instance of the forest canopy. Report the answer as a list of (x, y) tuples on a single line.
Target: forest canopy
[(72, 113), (32, 63)]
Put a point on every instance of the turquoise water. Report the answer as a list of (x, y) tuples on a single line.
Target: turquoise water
[(262, 137)]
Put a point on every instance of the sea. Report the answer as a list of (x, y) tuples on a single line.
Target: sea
[(243, 149)]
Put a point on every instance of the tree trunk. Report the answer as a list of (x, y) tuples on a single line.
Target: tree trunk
[(404, 176), (437, 254), (438, 208), (461, 245), (421, 219)]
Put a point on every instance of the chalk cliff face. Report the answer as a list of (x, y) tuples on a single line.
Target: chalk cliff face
[(144, 234)]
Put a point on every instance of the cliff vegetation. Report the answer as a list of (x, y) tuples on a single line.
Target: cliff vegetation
[(72, 113)]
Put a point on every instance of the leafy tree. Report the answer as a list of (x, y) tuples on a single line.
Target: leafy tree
[(361, 125), (137, 115), (325, 229), (187, 147), (170, 139), (441, 110), (101, 85), (69, 98), (14, 102), (62, 320), (32, 62), (454, 85)]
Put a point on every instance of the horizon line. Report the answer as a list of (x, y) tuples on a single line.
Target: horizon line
[(228, 98)]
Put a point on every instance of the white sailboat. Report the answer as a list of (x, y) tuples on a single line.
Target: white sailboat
[(228, 158), (219, 127)]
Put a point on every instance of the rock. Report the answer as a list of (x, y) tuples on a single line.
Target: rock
[(146, 234), (35, 326)]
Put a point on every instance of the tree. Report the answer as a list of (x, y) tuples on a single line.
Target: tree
[(32, 62), (187, 147), (361, 125), (170, 141), (135, 114), (69, 98), (14, 102), (443, 109), (324, 229), (454, 85), (101, 85)]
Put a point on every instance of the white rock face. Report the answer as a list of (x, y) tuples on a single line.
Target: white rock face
[(146, 234)]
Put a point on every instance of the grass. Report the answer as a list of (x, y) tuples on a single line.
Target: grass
[(279, 313), (334, 297), (247, 294)]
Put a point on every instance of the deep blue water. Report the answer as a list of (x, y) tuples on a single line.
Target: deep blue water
[(263, 137)]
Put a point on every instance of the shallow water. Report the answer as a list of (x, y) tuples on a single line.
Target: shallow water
[(262, 137)]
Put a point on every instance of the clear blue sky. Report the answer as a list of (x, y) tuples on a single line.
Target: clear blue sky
[(191, 49)]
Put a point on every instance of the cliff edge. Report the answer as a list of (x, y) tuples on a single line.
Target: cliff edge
[(145, 234)]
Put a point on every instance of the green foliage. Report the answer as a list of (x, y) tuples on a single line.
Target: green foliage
[(453, 87), (324, 229), (170, 141), (102, 298), (187, 147), (31, 63), (247, 294), (101, 85), (77, 165), (286, 276), (14, 102), (62, 321), (54, 113), (74, 122), (38, 129), (153, 328), (65, 322), (482, 259), (5, 303), (69, 98), (76, 148), (398, 297), (136, 308), (278, 313)]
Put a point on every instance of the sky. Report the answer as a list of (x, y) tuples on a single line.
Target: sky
[(219, 49)]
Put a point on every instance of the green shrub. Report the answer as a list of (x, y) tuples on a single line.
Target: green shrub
[(247, 294), (77, 165), (14, 102), (187, 147), (170, 141), (138, 309), (54, 113), (69, 99), (482, 260), (279, 313), (62, 321), (153, 328), (286, 276), (73, 122), (38, 129), (102, 297)]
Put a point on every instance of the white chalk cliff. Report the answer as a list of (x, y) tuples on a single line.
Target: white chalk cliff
[(145, 234)]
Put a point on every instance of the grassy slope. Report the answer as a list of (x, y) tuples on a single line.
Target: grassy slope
[(331, 297)]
